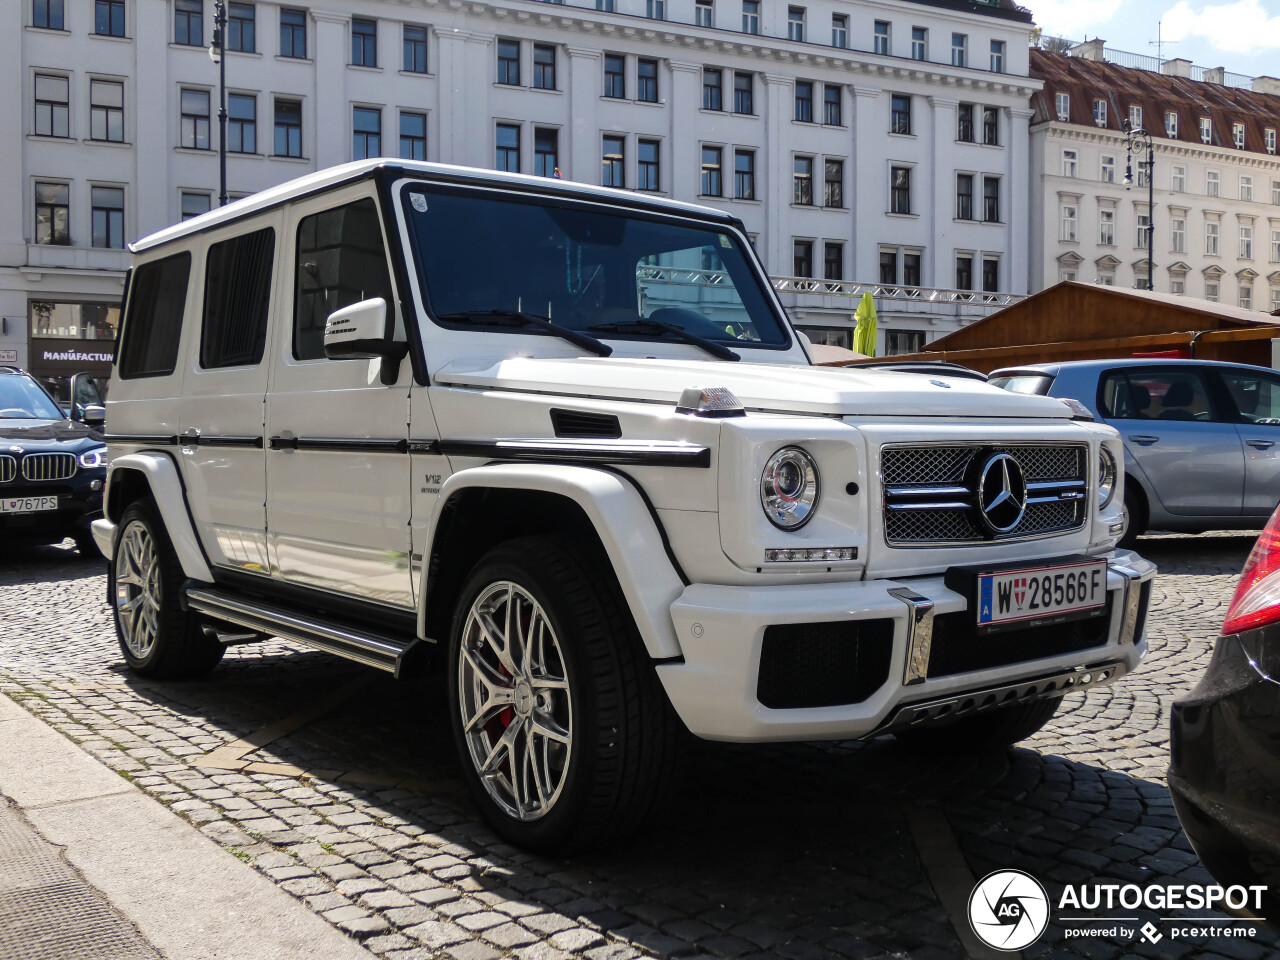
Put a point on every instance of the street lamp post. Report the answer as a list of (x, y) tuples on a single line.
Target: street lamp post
[(217, 53), (1141, 138)]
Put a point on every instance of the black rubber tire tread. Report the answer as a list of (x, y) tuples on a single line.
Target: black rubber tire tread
[(86, 546), (629, 751), (182, 648), (985, 732), (1137, 519)]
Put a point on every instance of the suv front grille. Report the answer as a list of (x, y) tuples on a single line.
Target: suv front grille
[(49, 466), (930, 491), (8, 468)]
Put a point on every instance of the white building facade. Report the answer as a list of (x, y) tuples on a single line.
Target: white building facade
[(881, 142)]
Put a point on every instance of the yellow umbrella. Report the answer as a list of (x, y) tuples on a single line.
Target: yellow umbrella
[(864, 334)]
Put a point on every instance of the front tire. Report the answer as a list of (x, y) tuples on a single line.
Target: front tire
[(157, 636), (1135, 517), (986, 732), (565, 736), (86, 546)]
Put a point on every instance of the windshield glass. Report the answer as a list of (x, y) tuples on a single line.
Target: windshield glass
[(582, 266), (22, 399), (1023, 383)]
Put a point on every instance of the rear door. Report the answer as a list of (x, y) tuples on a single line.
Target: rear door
[(1255, 397), (1174, 428)]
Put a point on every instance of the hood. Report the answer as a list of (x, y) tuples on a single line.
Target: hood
[(30, 435), (775, 388)]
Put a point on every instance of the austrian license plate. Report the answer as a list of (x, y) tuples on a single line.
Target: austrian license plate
[(27, 504), (1040, 595)]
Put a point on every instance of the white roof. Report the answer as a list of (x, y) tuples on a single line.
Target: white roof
[(321, 179)]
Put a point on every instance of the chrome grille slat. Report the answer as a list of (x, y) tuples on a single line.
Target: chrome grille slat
[(48, 466), (8, 468)]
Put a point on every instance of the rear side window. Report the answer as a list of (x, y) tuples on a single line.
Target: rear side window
[(1166, 394), (237, 295), (157, 297), (341, 261)]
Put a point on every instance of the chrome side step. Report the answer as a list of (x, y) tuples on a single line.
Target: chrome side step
[(364, 646), (975, 701)]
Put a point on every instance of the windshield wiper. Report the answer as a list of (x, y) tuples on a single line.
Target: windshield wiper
[(518, 318), (657, 326)]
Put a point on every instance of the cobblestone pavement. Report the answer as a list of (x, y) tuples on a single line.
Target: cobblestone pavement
[(799, 851)]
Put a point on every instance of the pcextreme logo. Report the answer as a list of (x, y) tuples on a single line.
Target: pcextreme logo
[(1008, 910)]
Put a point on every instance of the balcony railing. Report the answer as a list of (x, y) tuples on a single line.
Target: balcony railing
[(892, 292)]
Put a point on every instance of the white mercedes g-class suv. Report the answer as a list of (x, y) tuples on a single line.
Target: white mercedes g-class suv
[(566, 436)]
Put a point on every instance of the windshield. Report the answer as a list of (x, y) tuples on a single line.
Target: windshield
[(585, 268), (22, 399)]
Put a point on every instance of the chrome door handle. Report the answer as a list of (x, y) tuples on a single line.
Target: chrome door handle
[(190, 437), (1261, 444), (1145, 439)]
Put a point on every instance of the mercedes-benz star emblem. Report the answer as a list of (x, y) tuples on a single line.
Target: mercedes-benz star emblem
[(1002, 493)]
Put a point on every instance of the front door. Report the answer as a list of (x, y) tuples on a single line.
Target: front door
[(1256, 398)]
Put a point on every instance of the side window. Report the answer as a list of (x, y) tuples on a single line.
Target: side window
[(1162, 394), (237, 297), (1257, 399), (341, 261), (157, 297)]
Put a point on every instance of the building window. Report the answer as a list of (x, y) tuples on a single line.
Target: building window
[(882, 37), (1212, 183), (288, 128), (991, 126), (613, 159), (1107, 227), (712, 88), (704, 13), (647, 81), (655, 9), (1246, 188), (1211, 290), (964, 123), (606, 6), (107, 213), (1171, 124), (413, 136), (509, 63), (964, 271), (1069, 222), (832, 114), (990, 274), (507, 143), (802, 181), (1211, 238), (795, 24), (293, 34), (712, 185), (546, 151), (242, 27), (911, 268), (544, 66), (997, 56), (194, 204), (106, 110), (832, 261), (108, 19), (919, 43), (1069, 162), (1062, 105), (47, 14), (889, 266), (959, 50), (1206, 130), (1178, 179), (899, 189), (750, 16), (833, 192), (1100, 112), (1275, 246), (194, 119), (1107, 170), (1144, 173), (898, 342), (900, 114), (615, 76), (1275, 300), (647, 165), (802, 258), (53, 213), (964, 196), (1275, 192), (744, 174), (804, 101), (991, 199), (1237, 135), (415, 49), (1135, 118), (364, 42), (242, 124), (742, 88), (1178, 284), (53, 112), (1178, 234), (1246, 295), (366, 133), (1269, 136), (1144, 228), (840, 31), (1246, 241), (188, 22)]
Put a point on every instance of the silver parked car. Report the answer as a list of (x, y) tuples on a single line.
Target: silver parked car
[(1201, 438)]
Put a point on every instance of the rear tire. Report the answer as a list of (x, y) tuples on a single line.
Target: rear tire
[(985, 732), (565, 736), (158, 637)]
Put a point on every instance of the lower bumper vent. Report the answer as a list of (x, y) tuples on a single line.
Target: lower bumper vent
[(824, 664)]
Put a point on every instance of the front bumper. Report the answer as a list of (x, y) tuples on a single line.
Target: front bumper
[(79, 504), (718, 686)]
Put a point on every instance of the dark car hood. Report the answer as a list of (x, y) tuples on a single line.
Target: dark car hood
[(30, 435)]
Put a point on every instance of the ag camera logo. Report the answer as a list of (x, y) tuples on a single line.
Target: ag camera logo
[(1008, 910)]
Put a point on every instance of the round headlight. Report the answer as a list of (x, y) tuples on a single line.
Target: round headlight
[(789, 488), (93, 458), (1107, 472)]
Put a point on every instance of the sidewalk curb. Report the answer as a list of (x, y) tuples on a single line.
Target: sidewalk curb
[(189, 897)]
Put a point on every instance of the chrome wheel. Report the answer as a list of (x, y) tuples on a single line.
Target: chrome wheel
[(138, 589), (514, 700)]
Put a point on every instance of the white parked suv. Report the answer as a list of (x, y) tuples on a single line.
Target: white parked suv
[(567, 437)]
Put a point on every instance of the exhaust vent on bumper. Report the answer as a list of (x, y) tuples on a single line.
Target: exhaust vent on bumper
[(824, 664)]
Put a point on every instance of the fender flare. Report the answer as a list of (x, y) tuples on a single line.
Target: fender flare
[(622, 520), (161, 476)]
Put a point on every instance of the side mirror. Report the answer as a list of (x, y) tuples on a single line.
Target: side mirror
[(357, 332), (94, 415)]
